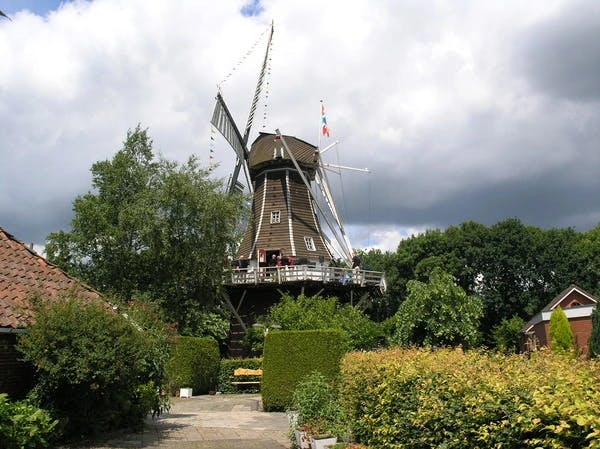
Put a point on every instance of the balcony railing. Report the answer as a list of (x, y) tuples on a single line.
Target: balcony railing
[(300, 273)]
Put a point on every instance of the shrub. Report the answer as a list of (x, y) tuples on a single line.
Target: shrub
[(254, 340), (23, 425), (194, 363), (314, 397), (315, 400), (313, 312), (92, 366), (290, 355), (209, 324), (415, 398), (226, 369), (561, 335), (507, 334)]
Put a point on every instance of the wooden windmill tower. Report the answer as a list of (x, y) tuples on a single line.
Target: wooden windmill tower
[(285, 247)]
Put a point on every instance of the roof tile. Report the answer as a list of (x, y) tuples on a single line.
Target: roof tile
[(23, 275)]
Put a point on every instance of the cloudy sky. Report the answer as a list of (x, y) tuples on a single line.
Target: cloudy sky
[(463, 110)]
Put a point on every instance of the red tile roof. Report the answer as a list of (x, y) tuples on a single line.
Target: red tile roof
[(25, 274)]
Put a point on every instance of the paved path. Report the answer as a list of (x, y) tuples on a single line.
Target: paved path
[(211, 422)]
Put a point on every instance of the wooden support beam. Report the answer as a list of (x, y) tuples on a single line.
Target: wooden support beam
[(237, 309), (228, 303), (363, 303)]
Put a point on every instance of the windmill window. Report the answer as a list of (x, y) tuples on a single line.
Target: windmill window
[(275, 216), (310, 243)]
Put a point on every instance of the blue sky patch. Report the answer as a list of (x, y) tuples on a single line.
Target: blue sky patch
[(252, 8), (39, 7)]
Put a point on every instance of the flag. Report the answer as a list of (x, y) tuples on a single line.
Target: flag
[(324, 127)]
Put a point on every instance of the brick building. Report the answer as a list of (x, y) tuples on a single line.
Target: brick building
[(23, 275), (577, 304)]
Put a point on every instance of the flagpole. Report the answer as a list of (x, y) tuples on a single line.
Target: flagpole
[(320, 123)]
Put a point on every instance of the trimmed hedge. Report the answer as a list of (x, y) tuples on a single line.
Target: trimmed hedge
[(416, 398), (194, 363), (228, 366), (291, 355)]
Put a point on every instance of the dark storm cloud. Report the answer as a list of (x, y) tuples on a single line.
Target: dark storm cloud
[(556, 199), (561, 56), (32, 220), (542, 169)]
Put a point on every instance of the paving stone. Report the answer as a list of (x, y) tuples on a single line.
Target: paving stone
[(210, 422)]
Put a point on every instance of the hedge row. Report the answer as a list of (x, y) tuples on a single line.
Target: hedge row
[(228, 366), (416, 398), (194, 363), (290, 355)]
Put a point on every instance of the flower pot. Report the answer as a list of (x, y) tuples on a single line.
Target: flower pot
[(302, 440), (185, 392), (322, 443)]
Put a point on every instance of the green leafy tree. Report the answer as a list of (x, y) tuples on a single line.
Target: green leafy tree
[(375, 260), (561, 335), (438, 313), (95, 369), (515, 269), (594, 343), (589, 247), (151, 227), (507, 334)]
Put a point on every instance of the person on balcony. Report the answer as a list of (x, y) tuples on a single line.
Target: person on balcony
[(356, 267)]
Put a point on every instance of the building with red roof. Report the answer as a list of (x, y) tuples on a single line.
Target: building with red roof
[(24, 275)]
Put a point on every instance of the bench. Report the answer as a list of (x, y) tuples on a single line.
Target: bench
[(244, 372)]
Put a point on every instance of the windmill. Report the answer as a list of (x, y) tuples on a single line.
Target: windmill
[(285, 246)]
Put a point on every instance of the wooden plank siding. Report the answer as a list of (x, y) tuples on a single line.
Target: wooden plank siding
[(279, 187), (272, 193)]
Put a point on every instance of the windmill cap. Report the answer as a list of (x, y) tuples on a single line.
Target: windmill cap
[(267, 150)]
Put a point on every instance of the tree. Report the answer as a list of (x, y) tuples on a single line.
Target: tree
[(589, 247), (515, 269), (561, 335), (386, 305), (507, 334), (152, 228), (594, 343), (438, 313)]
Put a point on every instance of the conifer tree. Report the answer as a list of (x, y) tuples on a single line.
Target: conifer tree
[(561, 335), (594, 343)]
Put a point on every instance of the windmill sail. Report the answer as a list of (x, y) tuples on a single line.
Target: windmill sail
[(259, 84), (223, 122)]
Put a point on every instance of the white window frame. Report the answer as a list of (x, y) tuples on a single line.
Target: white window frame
[(310, 244), (275, 216)]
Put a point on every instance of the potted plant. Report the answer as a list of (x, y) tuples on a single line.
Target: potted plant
[(317, 412), (315, 434), (318, 433), (302, 438)]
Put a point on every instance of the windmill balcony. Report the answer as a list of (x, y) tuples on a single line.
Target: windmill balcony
[(302, 273)]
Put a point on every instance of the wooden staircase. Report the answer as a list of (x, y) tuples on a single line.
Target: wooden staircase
[(235, 345)]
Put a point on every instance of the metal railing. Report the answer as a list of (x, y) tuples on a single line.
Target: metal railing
[(298, 273)]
